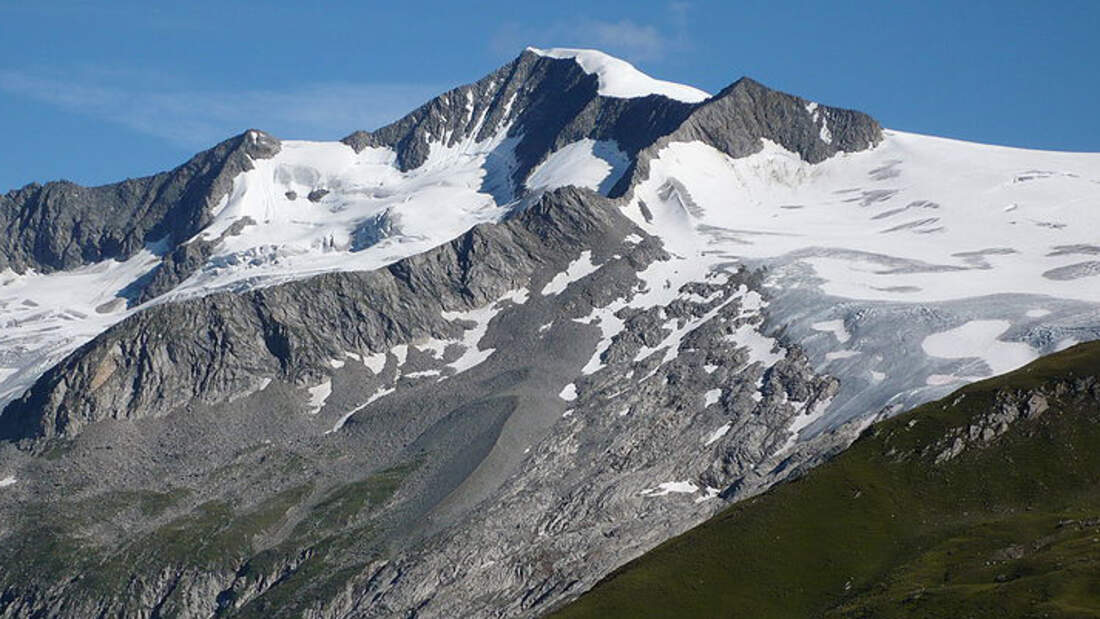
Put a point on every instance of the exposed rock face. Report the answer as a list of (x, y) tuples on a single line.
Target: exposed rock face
[(223, 345), (547, 103), (62, 225), (738, 119), (483, 429), (629, 453), (1010, 407)]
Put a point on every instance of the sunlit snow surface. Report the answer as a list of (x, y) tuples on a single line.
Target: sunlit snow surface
[(584, 163), (903, 270), (620, 79), (371, 214), (45, 317)]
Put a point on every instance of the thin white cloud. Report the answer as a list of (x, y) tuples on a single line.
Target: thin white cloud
[(627, 38), (198, 119), (634, 40)]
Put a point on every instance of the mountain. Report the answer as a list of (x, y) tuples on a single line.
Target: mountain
[(469, 363), (982, 504)]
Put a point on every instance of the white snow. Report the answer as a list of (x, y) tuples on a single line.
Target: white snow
[(712, 396), (584, 163), (401, 352), (518, 296), (291, 239), (578, 269), (382, 391), (472, 354), (318, 395), (668, 487), (802, 421), (762, 349), (44, 317), (569, 392), (717, 434), (708, 494), (619, 78), (948, 379), (836, 327), (936, 231), (375, 362), (916, 220), (7, 481), (979, 338)]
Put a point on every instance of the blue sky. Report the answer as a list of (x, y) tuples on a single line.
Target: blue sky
[(95, 91)]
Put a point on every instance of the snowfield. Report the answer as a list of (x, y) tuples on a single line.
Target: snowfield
[(904, 270)]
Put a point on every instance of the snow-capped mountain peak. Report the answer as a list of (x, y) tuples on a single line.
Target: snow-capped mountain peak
[(619, 78)]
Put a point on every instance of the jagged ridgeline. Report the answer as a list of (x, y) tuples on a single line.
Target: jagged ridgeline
[(471, 362)]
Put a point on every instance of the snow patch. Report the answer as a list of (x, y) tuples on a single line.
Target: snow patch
[(569, 392), (472, 354), (668, 487), (979, 338), (382, 391), (318, 395), (717, 434), (375, 362), (836, 327), (712, 397), (518, 296), (578, 269), (584, 163), (708, 494)]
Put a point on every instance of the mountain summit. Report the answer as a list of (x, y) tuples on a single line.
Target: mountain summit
[(468, 363)]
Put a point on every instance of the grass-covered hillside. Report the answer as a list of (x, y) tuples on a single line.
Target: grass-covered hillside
[(983, 504)]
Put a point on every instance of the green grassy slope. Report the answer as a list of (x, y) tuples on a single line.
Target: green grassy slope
[(1008, 527)]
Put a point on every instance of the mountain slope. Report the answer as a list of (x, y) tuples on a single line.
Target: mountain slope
[(984, 503), (469, 363), (262, 212)]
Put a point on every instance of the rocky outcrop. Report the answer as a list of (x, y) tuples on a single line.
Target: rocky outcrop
[(1010, 406), (737, 120), (62, 225), (545, 103), (212, 348)]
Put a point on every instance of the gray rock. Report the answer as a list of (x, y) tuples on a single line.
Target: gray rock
[(62, 225)]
